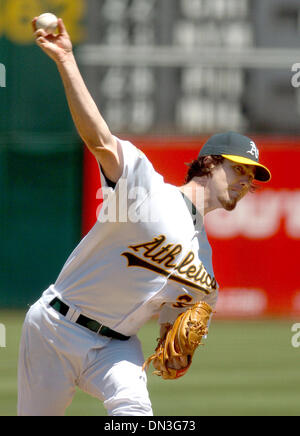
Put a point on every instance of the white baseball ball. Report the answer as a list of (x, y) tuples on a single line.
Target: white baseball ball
[(47, 21)]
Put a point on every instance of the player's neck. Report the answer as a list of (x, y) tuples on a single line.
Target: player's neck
[(195, 193), (198, 192)]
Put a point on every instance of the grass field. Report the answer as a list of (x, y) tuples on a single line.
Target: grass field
[(246, 368)]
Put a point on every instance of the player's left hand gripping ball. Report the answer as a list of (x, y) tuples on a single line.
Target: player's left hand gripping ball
[(180, 341)]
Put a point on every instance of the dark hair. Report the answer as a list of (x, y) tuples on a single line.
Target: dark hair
[(198, 167)]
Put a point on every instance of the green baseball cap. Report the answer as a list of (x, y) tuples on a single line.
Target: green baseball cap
[(237, 148)]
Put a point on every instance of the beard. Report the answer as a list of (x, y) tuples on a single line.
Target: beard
[(228, 203)]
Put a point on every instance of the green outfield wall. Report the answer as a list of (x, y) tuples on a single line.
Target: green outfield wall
[(40, 157)]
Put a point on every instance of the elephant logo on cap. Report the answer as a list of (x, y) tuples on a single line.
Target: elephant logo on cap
[(254, 150)]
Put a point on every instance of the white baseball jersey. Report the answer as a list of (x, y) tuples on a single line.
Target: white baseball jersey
[(143, 256)]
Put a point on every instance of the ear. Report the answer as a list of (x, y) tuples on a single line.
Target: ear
[(208, 162)]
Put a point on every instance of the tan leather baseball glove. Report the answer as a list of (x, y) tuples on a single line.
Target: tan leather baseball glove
[(180, 342)]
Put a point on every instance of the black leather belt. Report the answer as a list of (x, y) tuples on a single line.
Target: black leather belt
[(89, 323)]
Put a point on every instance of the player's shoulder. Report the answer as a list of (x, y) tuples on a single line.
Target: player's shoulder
[(136, 164), (129, 148)]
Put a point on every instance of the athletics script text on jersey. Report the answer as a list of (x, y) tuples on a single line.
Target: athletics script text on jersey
[(165, 262)]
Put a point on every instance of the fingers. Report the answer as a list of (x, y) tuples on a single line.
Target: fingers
[(33, 22), (41, 41), (40, 36), (61, 27), (40, 33)]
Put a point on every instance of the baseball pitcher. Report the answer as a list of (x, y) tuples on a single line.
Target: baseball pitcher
[(155, 260)]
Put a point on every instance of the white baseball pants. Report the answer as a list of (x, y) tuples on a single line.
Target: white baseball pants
[(56, 355)]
